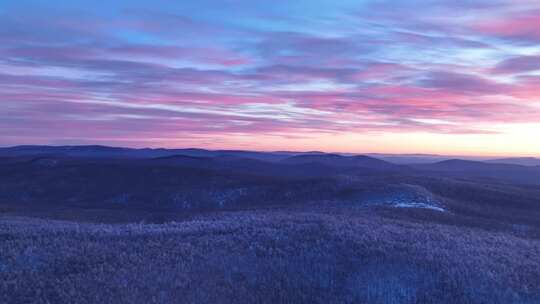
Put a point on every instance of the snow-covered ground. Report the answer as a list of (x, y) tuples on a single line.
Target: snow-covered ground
[(402, 196)]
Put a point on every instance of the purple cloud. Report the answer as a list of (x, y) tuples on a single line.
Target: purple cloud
[(516, 65), (448, 67)]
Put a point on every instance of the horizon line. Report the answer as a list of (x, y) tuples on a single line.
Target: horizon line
[(419, 154)]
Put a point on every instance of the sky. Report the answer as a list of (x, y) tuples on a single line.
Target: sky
[(451, 77)]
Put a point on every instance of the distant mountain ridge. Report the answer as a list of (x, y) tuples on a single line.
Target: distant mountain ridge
[(97, 151), (469, 165), (343, 161), (524, 161), (313, 163), (467, 168), (418, 158), (185, 179)]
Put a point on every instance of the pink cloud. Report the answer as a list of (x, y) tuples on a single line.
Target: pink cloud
[(520, 26)]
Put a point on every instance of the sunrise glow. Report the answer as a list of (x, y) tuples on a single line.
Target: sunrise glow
[(455, 77)]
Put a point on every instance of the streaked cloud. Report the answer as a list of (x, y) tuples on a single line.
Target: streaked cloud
[(150, 74)]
